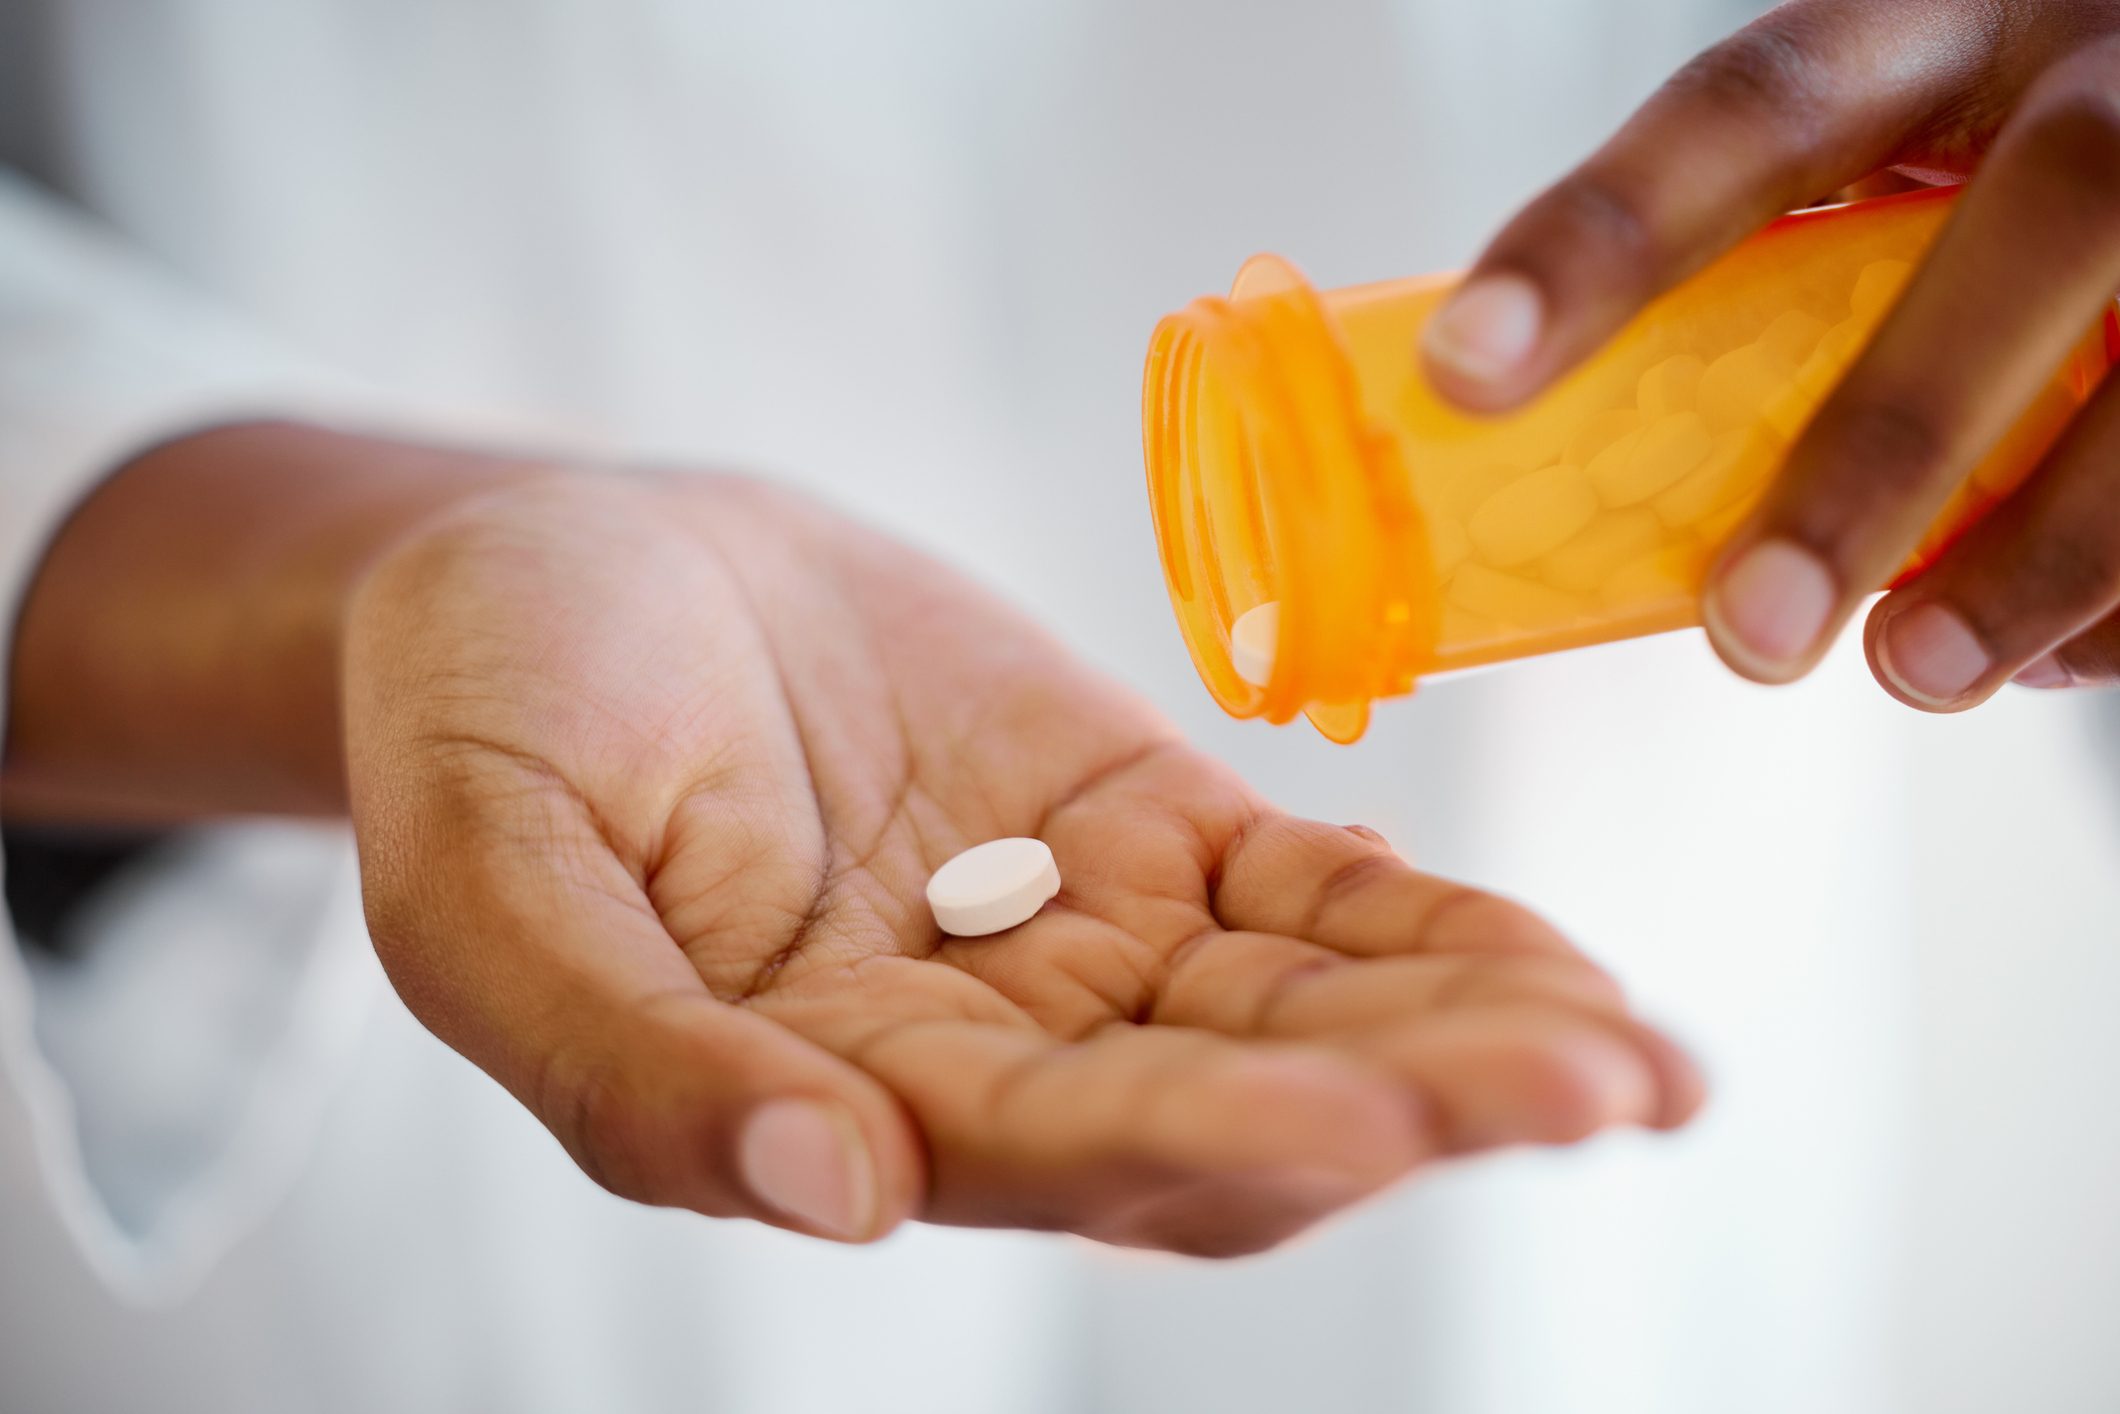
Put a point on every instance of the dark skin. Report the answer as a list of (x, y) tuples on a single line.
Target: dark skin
[(2021, 98), (648, 773)]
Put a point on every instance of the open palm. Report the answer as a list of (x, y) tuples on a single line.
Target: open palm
[(649, 775)]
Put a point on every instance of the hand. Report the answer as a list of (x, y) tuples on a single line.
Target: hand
[(1817, 95), (649, 775)]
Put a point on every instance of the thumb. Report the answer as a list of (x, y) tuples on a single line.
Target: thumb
[(690, 1102), (525, 945)]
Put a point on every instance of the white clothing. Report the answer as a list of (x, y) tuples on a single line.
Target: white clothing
[(909, 255)]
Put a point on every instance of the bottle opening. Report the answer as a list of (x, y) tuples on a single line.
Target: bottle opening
[(1269, 485)]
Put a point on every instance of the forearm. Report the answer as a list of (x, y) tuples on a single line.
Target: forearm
[(177, 654)]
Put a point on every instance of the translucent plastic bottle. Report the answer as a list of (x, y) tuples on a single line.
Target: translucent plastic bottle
[(1296, 455)]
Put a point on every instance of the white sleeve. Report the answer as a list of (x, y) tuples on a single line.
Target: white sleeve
[(156, 1094)]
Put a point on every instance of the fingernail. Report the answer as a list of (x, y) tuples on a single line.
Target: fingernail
[(1931, 654), (1488, 327), (1772, 604), (807, 1161), (2045, 672)]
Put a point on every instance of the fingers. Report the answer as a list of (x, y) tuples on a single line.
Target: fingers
[(1809, 97), (2022, 268), (1532, 1074), (1262, 984), (516, 936), (2032, 586), (1510, 1034), (1144, 1136), (2090, 659), (684, 1101), (1349, 892), (1503, 1049)]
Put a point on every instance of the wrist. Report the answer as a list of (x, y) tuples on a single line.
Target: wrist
[(178, 652)]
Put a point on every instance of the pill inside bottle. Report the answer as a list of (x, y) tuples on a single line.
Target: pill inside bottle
[(1251, 643), (1333, 530)]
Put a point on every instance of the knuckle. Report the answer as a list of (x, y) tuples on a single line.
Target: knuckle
[(1890, 439), (2093, 657), (1290, 872), (1255, 845), (1350, 882), (1568, 1100), (2071, 134), (1763, 68), (1599, 220), (1884, 449), (2069, 567), (592, 1112)]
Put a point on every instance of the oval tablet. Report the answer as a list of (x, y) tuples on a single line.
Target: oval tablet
[(992, 887), (1793, 335), (1597, 432), (1659, 455), (1671, 386), (1737, 385), (1532, 514)]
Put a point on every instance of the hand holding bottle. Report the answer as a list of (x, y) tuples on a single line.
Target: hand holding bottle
[(1818, 95)]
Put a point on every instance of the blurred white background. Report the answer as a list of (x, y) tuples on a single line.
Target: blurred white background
[(909, 255)]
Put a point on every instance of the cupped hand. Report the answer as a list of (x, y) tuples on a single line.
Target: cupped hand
[(1817, 96), (649, 774)]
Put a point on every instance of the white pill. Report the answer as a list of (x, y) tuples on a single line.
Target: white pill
[(992, 887), (1251, 642)]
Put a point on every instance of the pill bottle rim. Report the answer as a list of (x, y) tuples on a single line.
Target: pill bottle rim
[(1329, 445), (1338, 541)]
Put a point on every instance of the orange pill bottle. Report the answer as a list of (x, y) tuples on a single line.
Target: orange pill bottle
[(1298, 457)]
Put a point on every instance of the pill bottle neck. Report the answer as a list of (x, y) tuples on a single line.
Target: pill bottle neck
[(1268, 483)]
